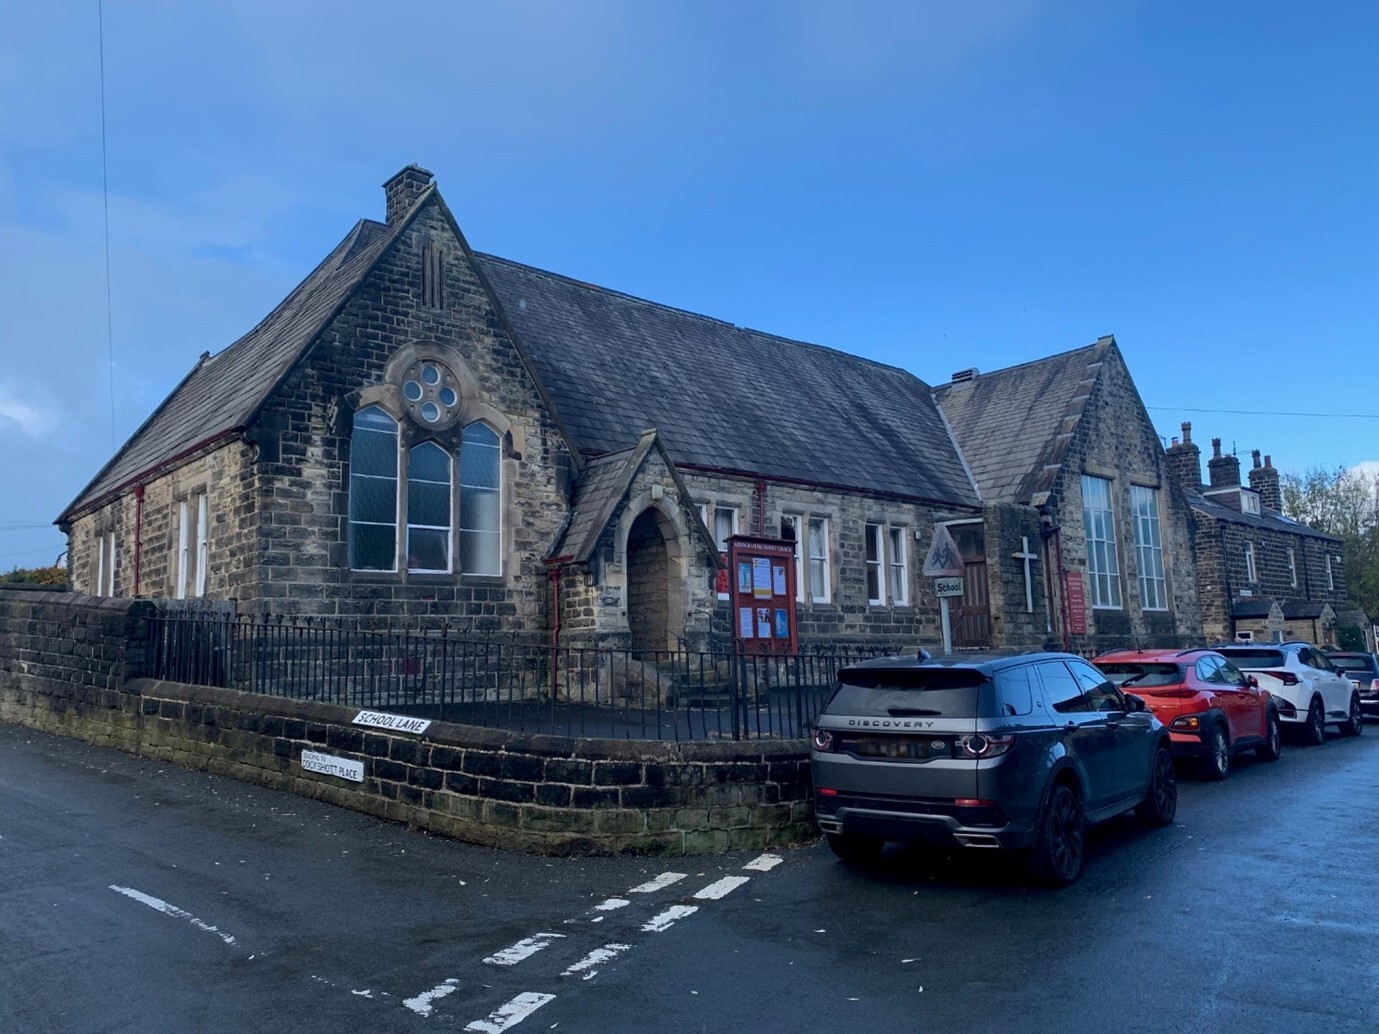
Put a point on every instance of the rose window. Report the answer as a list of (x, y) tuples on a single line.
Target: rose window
[(428, 388)]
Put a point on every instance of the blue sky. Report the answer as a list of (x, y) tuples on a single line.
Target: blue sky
[(931, 184)]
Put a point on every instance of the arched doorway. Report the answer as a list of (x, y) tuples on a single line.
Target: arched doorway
[(648, 581)]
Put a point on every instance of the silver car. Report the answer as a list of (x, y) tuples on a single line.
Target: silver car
[(1013, 753)]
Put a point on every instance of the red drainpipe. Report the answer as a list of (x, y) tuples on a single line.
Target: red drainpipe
[(1062, 589), (138, 533)]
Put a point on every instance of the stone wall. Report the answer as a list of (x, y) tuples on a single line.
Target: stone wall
[(72, 665)]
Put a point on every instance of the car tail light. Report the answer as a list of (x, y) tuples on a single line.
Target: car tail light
[(1286, 677), (982, 745), (823, 791), (823, 740), (1186, 723)]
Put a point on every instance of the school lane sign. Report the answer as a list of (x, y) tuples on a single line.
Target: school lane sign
[(392, 722)]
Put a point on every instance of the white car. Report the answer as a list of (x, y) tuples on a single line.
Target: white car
[(1312, 693)]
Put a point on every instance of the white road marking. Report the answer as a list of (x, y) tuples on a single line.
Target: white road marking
[(764, 863), (421, 1004), (597, 957), (511, 1014), (523, 949), (721, 888), (172, 910), (666, 919), (610, 904), (659, 883)]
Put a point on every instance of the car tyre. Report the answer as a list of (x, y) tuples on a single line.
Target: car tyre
[(1314, 729), (1355, 721), (855, 847), (1160, 804), (1059, 853), (1217, 764), (1272, 747)]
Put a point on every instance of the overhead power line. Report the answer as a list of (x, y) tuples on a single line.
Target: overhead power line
[(1267, 412)]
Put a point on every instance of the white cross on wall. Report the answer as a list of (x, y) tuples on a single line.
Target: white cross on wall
[(1027, 556)]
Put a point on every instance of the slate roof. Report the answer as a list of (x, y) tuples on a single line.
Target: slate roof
[(1014, 425), (724, 397), (222, 392), (1269, 520)]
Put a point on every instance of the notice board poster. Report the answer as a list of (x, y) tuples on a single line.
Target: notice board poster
[(1076, 595), (763, 594)]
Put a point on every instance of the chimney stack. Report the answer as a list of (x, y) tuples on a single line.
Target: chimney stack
[(1185, 461), (1264, 480), (1223, 470), (403, 190)]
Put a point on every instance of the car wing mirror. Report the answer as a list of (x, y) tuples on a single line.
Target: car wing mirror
[(1133, 703), (1251, 681)]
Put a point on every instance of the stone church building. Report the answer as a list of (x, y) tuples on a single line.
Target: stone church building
[(427, 433)]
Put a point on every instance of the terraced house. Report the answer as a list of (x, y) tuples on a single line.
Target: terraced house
[(426, 432)]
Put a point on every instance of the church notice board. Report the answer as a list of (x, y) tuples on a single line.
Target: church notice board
[(762, 575), (1075, 593)]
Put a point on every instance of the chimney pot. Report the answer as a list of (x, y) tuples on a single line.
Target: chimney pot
[(1187, 431), (1216, 448)]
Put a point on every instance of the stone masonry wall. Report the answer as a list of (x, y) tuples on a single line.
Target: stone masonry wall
[(1115, 440), (70, 665)]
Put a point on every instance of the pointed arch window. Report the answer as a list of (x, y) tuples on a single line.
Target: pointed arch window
[(373, 491), (428, 509), (480, 501)]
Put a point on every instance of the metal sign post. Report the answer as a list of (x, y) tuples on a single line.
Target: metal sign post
[(943, 563)]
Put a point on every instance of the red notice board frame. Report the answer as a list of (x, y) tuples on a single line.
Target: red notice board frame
[(761, 584)]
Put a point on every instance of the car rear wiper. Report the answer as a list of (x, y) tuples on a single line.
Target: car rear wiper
[(911, 712), (1133, 679)]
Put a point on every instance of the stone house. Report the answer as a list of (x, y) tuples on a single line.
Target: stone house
[(425, 432), (1261, 575), (1085, 538)]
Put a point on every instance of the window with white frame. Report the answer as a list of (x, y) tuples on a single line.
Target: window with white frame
[(192, 526), (899, 569), (1251, 571), (373, 491), (818, 560), (1292, 568), (428, 509), (107, 556), (481, 492), (1330, 578), (790, 529), (871, 534), (1098, 521), (1149, 550), (724, 525)]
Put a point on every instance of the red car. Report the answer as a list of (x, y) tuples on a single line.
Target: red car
[(1211, 708)]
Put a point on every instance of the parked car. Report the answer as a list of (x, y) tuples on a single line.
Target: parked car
[(1211, 708), (1010, 753), (1310, 691), (1363, 671)]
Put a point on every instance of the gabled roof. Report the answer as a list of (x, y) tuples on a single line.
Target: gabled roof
[(223, 391), (602, 486), (726, 398), (1267, 520), (1014, 425)]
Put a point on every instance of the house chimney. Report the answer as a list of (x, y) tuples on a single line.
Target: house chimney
[(1223, 470), (1185, 461), (1264, 480), (965, 376), (403, 190)]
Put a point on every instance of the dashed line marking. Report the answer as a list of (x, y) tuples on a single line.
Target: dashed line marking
[(611, 904), (597, 957), (421, 1004), (665, 920), (523, 949), (659, 883), (171, 910), (721, 888), (511, 1013), (764, 863)]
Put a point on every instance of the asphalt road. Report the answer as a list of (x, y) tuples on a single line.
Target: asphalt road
[(140, 897)]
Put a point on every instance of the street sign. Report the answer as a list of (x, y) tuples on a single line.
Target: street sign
[(947, 587), (396, 722), (943, 559), (1276, 621), (329, 764)]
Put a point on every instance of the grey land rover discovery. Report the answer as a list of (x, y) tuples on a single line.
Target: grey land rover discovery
[(1018, 753)]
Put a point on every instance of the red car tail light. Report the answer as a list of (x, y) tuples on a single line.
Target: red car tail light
[(1286, 677), (823, 740), (983, 745)]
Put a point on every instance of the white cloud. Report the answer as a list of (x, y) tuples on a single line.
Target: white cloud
[(1367, 469), (32, 417)]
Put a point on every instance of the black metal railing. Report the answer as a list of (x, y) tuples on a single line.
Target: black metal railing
[(521, 686)]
